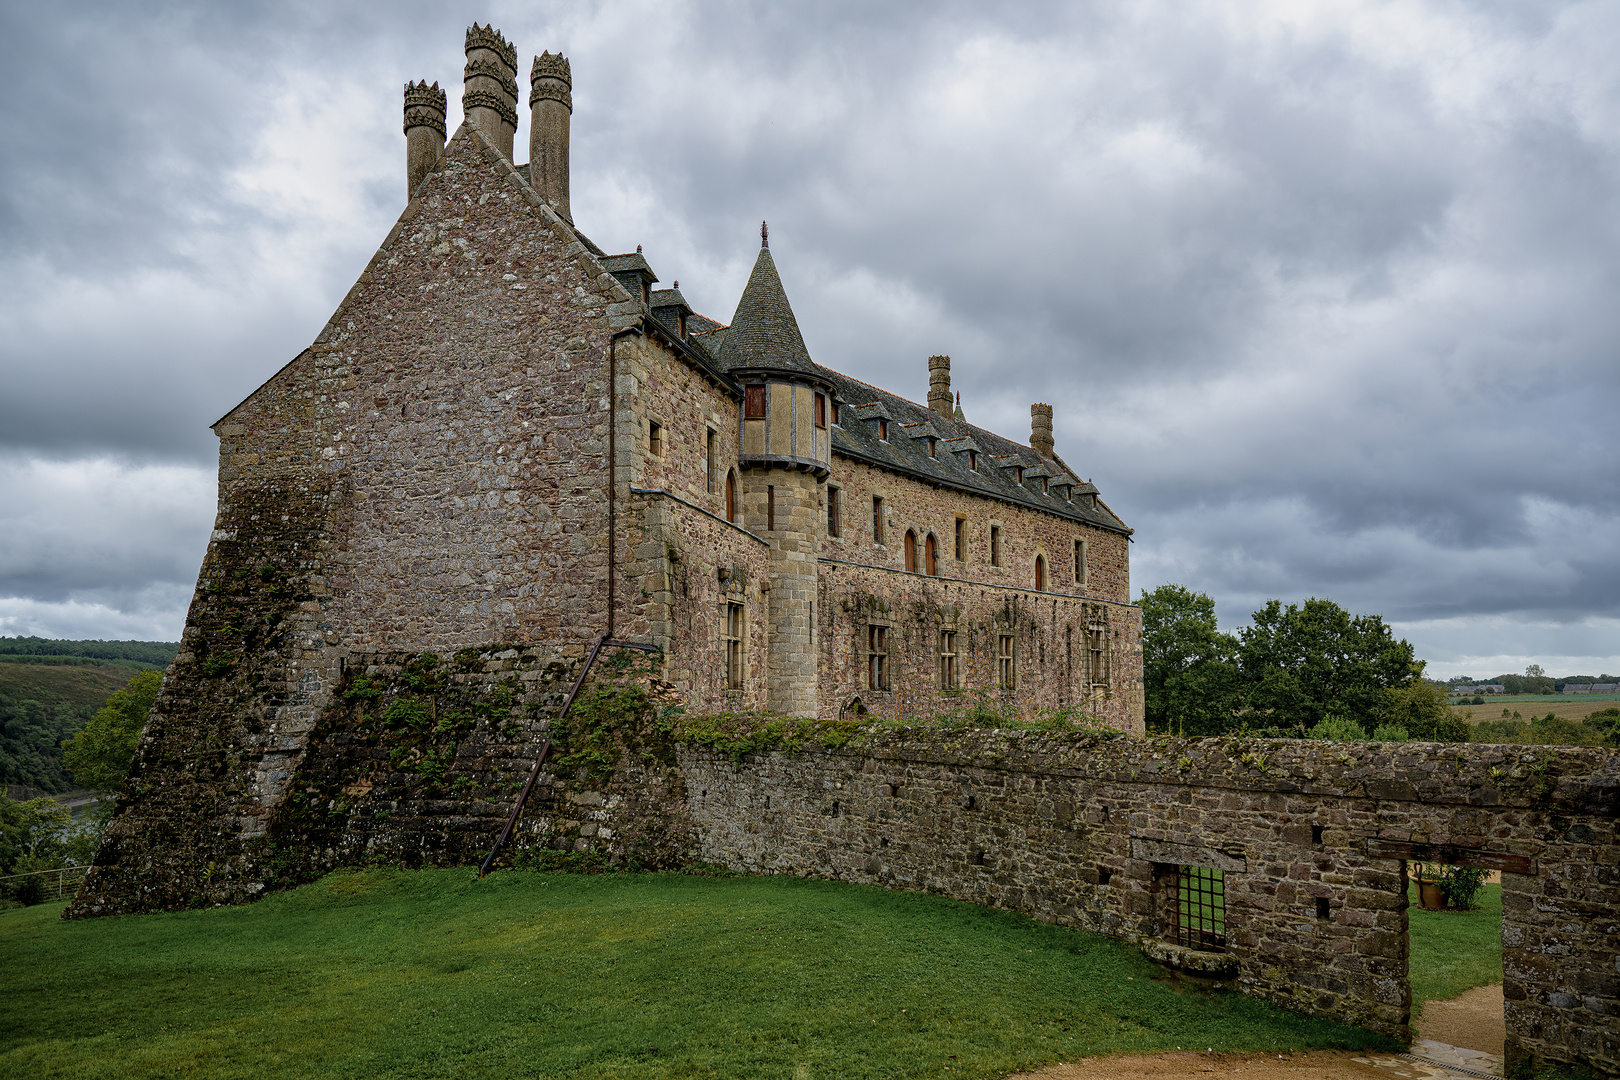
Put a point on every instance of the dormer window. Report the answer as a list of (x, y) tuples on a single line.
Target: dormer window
[(646, 291), (683, 326), (932, 449), (973, 460), (1044, 489), (883, 429), (1018, 473)]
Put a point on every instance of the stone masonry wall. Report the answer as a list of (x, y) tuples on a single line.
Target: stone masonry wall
[(429, 475), (1050, 652), (1083, 832)]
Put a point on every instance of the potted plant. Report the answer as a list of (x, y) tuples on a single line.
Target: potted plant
[(1430, 896)]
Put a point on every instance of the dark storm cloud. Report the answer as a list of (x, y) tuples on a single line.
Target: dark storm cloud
[(1323, 298)]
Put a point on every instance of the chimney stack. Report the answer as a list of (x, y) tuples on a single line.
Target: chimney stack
[(424, 132), (1040, 430), (939, 384), (489, 95), (551, 106)]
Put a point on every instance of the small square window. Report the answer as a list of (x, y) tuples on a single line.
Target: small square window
[(655, 438)]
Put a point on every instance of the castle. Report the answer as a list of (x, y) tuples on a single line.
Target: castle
[(791, 538), (507, 448)]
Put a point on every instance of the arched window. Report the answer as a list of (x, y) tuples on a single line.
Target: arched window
[(911, 552), (1040, 573), (930, 553), (731, 496)]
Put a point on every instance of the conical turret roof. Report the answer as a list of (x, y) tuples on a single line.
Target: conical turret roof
[(764, 333)]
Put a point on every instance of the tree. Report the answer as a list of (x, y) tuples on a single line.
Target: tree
[(100, 755), (1190, 681), (1420, 707), (1303, 663), (1534, 671)]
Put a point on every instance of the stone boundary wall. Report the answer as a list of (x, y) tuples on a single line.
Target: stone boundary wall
[(1082, 832)]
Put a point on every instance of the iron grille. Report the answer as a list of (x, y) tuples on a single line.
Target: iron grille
[(1198, 908)]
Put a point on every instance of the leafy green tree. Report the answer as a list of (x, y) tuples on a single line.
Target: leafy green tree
[(1190, 680), (1303, 663), (1421, 708), (1339, 729), (100, 755), (31, 832)]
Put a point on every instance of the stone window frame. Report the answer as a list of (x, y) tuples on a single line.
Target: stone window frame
[(711, 450), (931, 554), (733, 495), (1096, 636), (996, 554), (909, 548), (877, 646), (835, 510), (770, 507), (1042, 568), (949, 666), (880, 518), (657, 438), (734, 632), (1007, 661), (959, 538), (1081, 566)]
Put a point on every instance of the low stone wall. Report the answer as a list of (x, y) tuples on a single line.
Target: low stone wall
[(1084, 832)]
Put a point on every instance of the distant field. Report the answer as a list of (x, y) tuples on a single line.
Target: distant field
[(1575, 707), (81, 687)]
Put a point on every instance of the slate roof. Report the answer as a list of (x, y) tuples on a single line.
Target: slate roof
[(764, 334)]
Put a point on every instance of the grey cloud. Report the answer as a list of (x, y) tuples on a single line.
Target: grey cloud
[(1325, 308)]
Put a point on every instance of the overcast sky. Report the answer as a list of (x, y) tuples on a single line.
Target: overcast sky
[(1326, 297)]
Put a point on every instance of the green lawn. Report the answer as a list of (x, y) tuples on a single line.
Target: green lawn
[(1453, 951), (436, 974)]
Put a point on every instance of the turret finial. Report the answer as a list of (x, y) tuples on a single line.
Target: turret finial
[(764, 235)]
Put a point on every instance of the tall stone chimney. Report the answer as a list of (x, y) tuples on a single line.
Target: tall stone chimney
[(424, 132), (1040, 430), (939, 384), (551, 106), (489, 95)]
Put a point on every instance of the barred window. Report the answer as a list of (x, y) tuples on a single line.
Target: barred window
[(734, 646), (877, 657), (1195, 907), (949, 671), (1007, 661)]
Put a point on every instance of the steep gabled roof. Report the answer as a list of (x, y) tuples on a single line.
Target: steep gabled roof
[(764, 334)]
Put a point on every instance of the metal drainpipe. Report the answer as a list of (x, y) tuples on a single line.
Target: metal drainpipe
[(613, 472)]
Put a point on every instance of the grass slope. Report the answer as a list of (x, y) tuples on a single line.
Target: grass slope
[(1453, 951), (434, 974)]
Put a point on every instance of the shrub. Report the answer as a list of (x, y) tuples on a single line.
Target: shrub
[(1461, 884), (1389, 733), (1339, 729)]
